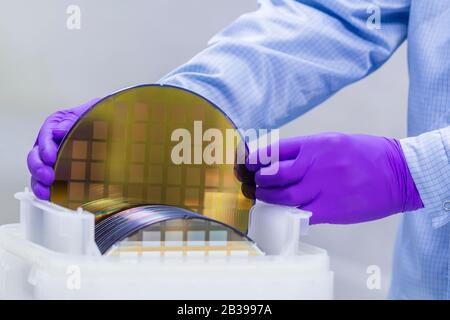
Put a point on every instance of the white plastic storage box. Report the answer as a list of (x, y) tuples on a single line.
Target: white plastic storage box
[(51, 254)]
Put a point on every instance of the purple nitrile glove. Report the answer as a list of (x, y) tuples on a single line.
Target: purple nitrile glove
[(340, 178), (42, 157)]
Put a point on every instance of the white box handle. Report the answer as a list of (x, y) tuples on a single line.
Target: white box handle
[(276, 229)]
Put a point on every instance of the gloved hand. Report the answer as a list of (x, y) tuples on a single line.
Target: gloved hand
[(340, 178), (42, 157), (247, 178)]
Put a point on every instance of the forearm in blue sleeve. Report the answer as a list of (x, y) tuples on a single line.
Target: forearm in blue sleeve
[(428, 158), (274, 64)]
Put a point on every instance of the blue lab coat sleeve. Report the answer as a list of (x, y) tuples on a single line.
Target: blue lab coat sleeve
[(274, 64)]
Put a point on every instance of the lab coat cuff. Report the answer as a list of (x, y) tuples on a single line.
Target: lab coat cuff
[(428, 160)]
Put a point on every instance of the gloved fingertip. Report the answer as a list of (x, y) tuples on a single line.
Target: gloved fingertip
[(40, 191), (45, 175), (33, 159), (48, 154), (248, 190), (59, 134), (243, 174)]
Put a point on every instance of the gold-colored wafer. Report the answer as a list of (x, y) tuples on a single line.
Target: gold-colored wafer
[(119, 155)]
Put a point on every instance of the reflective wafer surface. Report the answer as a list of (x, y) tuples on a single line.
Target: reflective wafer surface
[(161, 231), (119, 156)]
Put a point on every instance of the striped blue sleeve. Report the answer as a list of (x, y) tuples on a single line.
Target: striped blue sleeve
[(428, 158), (274, 64)]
